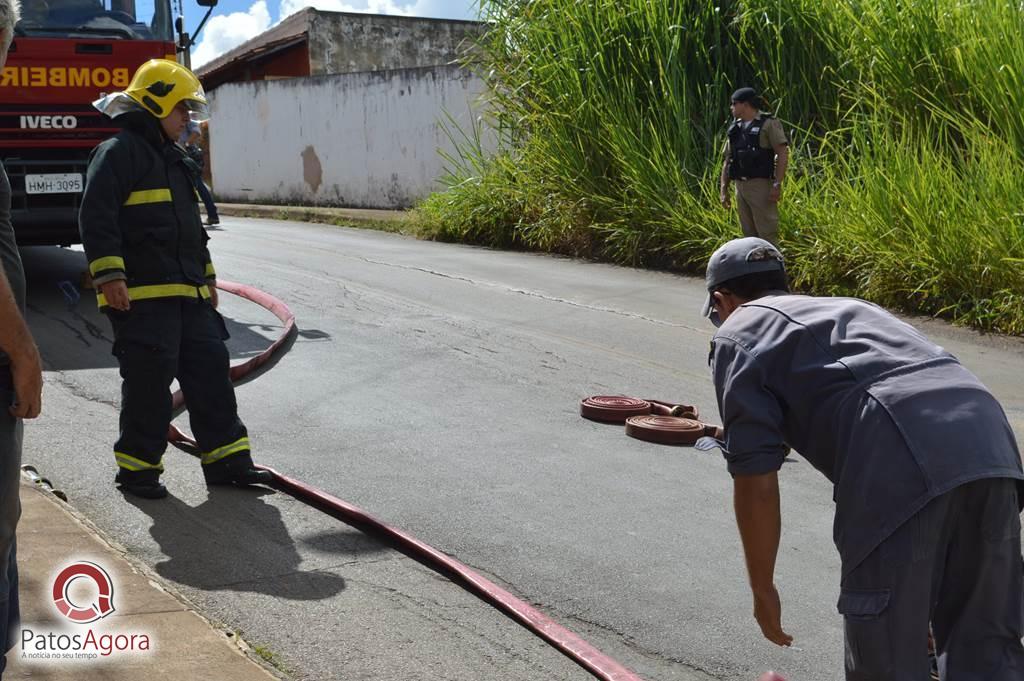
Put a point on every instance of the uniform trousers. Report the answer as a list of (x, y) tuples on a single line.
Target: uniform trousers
[(759, 215), (955, 564), (155, 342)]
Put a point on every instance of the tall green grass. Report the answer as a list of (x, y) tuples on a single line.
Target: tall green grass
[(906, 183)]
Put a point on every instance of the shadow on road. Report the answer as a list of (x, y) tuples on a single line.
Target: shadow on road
[(71, 332), (236, 541)]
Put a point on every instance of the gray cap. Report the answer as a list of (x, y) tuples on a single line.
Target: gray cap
[(735, 259)]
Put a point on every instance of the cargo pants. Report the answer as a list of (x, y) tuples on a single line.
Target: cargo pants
[(155, 342), (759, 215), (956, 564)]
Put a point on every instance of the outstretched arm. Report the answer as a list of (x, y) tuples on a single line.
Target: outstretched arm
[(756, 502)]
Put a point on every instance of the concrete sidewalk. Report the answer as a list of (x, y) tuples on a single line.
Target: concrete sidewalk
[(181, 643)]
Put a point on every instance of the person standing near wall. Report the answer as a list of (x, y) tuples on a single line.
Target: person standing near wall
[(190, 140), (21, 381), (756, 157), (148, 256)]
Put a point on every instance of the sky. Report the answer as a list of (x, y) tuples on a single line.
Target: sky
[(235, 21)]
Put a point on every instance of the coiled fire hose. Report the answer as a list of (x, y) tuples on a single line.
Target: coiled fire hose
[(584, 654), (650, 420)]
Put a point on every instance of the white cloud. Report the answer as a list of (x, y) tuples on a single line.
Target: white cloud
[(443, 9), (230, 30)]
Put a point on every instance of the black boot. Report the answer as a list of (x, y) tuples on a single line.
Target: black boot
[(237, 469), (145, 484)]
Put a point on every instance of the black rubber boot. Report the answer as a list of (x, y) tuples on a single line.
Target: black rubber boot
[(236, 470), (142, 484)]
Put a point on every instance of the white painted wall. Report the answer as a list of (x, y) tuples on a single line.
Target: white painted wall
[(373, 136)]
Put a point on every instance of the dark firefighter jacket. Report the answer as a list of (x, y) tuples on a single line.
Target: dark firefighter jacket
[(139, 218)]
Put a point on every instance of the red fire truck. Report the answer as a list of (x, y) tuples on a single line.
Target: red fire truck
[(65, 55)]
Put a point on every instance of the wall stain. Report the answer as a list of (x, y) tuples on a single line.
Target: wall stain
[(312, 171)]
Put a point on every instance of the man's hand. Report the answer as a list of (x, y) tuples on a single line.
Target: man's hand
[(756, 500), (116, 293), (768, 613), (724, 198), (775, 195), (214, 298), (27, 371), (16, 341)]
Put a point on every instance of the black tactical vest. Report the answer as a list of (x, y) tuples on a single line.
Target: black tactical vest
[(748, 158)]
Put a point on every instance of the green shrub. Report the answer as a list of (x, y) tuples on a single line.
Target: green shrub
[(906, 117)]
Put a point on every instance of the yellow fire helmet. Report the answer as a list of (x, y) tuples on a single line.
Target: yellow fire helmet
[(158, 86)]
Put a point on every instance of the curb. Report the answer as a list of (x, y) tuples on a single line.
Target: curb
[(239, 662), (384, 220)]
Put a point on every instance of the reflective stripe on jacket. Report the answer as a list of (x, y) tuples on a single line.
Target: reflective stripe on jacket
[(139, 218)]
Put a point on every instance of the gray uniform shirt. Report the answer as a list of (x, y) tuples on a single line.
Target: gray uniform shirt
[(9, 258), (890, 418)]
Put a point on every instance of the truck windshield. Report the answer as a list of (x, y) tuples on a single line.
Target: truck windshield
[(123, 19)]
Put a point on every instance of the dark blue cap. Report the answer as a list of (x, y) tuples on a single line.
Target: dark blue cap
[(744, 94)]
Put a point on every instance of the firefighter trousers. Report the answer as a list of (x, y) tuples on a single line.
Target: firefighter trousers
[(155, 342)]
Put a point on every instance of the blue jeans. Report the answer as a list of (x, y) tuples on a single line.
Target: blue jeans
[(10, 438), (10, 610), (207, 197), (10, 511)]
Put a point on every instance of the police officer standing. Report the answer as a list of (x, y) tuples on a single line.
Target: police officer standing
[(190, 140), (756, 156), (148, 256), (925, 470)]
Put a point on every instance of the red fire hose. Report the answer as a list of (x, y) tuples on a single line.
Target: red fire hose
[(578, 650), (651, 420), (667, 430), (619, 408)]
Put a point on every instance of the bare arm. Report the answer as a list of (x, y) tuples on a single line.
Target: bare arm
[(15, 339), (723, 182), (756, 503), (5, 43), (26, 366), (781, 163), (9, 16)]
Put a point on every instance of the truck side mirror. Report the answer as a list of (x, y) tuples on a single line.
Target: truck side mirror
[(206, 3)]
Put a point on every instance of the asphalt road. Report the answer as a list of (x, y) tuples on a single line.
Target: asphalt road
[(436, 386)]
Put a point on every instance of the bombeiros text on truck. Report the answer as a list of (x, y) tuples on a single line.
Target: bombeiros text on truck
[(65, 55)]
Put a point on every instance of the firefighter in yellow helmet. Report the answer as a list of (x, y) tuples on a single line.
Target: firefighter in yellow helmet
[(148, 256)]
